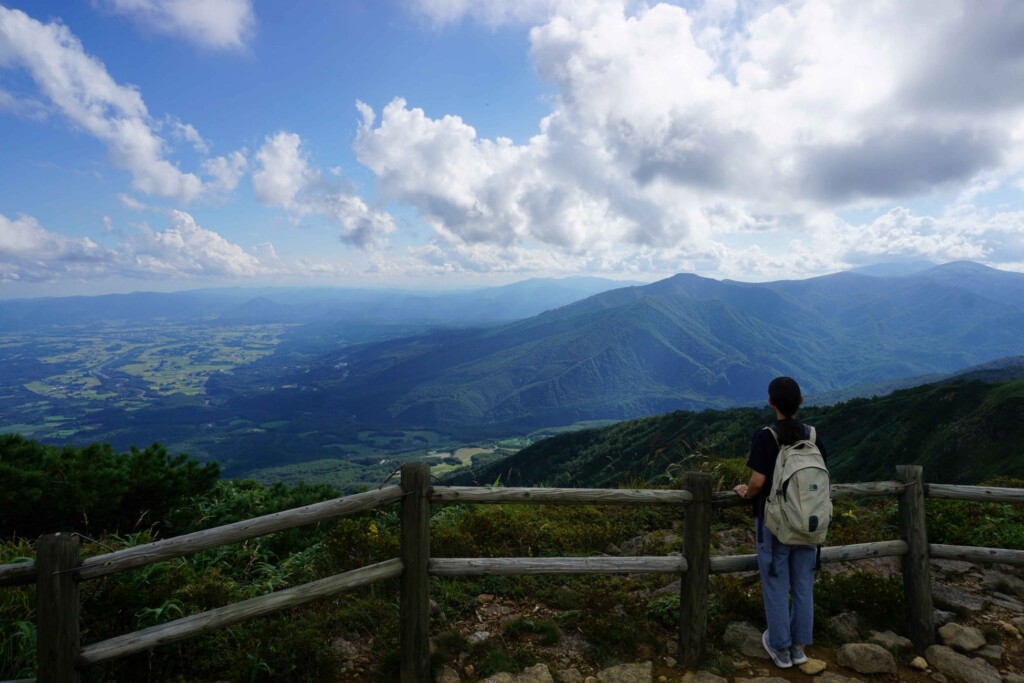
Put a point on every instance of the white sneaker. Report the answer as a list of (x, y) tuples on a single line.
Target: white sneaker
[(780, 657), (797, 654)]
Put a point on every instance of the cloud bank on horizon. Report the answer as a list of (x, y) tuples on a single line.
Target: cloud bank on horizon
[(750, 140)]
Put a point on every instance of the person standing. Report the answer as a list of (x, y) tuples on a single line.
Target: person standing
[(787, 571)]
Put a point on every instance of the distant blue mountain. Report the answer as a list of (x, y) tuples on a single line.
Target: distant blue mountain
[(309, 305), (684, 342)]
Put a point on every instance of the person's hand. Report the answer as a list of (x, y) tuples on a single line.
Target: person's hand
[(741, 490)]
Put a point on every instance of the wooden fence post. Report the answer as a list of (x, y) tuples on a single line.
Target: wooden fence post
[(414, 633), (693, 597), (57, 635), (917, 586)]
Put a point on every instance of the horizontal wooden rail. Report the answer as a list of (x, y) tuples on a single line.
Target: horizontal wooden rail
[(17, 574), (940, 551), (862, 490), (220, 617), (516, 566), (510, 494), (180, 546), (188, 544), (839, 553), (988, 494)]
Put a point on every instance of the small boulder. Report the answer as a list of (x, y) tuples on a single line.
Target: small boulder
[(957, 600), (743, 637), (813, 667), (570, 676), (890, 641), (703, 677), (539, 673), (960, 668), (962, 638), (830, 677), (993, 654), (866, 658), (477, 637), (1003, 583), (919, 663), (942, 617), (627, 673), (448, 675)]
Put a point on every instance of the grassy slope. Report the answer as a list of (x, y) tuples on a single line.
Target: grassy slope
[(960, 431)]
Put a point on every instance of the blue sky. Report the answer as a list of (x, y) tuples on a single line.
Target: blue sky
[(164, 144)]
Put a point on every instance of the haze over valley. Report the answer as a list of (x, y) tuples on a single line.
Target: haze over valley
[(339, 385)]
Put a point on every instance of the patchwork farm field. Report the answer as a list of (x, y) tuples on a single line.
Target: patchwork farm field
[(216, 391)]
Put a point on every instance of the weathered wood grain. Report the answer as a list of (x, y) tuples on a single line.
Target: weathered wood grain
[(988, 494), (414, 610), (486, 494), (972, 554), (17, 573), (518, 566), (57, 603), (220, 617), (917, 586), (693, 588)]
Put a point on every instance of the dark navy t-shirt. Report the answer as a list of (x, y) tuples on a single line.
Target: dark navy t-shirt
[(764, 451)]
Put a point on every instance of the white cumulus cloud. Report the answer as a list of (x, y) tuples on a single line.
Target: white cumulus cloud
[(286, 179), (698, 131), (218, 24), (79, 86)]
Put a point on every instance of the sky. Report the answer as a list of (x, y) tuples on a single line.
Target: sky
[(179, 144)]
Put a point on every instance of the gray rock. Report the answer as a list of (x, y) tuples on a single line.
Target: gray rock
[(943, 617), (345, 648), (627, 673), (1013, 678), (866, 658), (890, 641), (938, 678), (533, 674), (1002, 583), (448, 675), (951, 566), (957, 600), (962, 638), (745, 638), (847, 626), (477, 637), (832, 677), (570, 676), (703, 677), (761, 679), (672, 588), (1019, 623), (962, 669), (1007, 602), (993, 654)]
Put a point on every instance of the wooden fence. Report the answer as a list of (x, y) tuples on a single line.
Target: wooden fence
[(58, 569)]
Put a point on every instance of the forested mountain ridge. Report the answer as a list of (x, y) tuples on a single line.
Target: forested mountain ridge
[(685, 342), (960, 431)]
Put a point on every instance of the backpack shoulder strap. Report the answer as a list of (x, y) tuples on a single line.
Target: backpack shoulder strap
[(774, 434), (813, 438)]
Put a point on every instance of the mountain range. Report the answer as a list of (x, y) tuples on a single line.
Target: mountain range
[(686, 342)]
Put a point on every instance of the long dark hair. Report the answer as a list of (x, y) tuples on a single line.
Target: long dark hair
[(785, 395)]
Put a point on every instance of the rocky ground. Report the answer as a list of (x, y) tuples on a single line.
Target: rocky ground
[(980, 639)]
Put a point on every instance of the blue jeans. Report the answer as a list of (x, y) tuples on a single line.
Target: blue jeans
[(788, 623)]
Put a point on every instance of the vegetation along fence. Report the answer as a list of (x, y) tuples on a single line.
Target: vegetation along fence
[(58, 569)]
